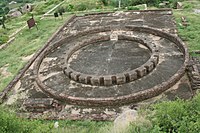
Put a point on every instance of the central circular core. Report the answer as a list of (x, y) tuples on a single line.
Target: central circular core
[(103, 61), (109, 57)]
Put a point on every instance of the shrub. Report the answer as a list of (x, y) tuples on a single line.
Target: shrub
[(113, 3), (3, 37), (104, 2), (69, 8), (12, 124), (127, 3), (61, 9), (133, 8), (39, 9), (188, 6), (178, 116), (81, 7)]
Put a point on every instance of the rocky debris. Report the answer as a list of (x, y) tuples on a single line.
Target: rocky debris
[(164, 4), (197, 11), (4, 71), (40, 104), (179, 5), (123, 120), (56, 124), (194, 73), (184, 21), (12, 2), (27, 58), (27, 8), (14, 13)]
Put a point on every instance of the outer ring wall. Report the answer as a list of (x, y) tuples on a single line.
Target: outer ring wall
[(113, 101)]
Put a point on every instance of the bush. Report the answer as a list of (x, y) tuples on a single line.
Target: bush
[(12, 124), (61, 9), (133, 8), (81, 7), (188, 6), (69, 8), (39, 9), (42, 7), (127, 3), (104, 2), (113, 3), (178, 116), (3, 37)]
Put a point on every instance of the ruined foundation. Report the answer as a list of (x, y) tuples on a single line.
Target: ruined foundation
[(101, 61)]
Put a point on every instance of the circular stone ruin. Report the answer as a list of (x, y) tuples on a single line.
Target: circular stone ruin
[(139, 59), (109, 66)]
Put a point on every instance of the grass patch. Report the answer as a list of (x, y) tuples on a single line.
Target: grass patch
[(17, 5), (12, 124), (3, 36), (178, 116), (41, 7), (13, 24), (86, 126), (189, 34), (81, 5), (27, 42)]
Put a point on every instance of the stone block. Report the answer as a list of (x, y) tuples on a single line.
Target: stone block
[(154, 60), (127, 77), (75, 76), (121, 79), (133, 75), (88, 80), (107, 81), (141, 71), (82, 79), (67, 72), (149, 66), (155, 49), (114, 80), (95, 81)]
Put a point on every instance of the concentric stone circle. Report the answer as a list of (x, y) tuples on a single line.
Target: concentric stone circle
[(120, 78), (113, 101)]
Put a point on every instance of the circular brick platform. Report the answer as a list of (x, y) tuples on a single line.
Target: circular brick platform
[(121, 79)]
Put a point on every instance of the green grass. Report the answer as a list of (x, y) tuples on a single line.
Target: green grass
[(26, 43), (189, 34), (41, 7), (12, 25), (17, 5), (10, 123), (81, 5), (86, 126)]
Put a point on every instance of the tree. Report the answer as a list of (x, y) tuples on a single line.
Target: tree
[(3, 12), (6, 10), (2, 21)]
